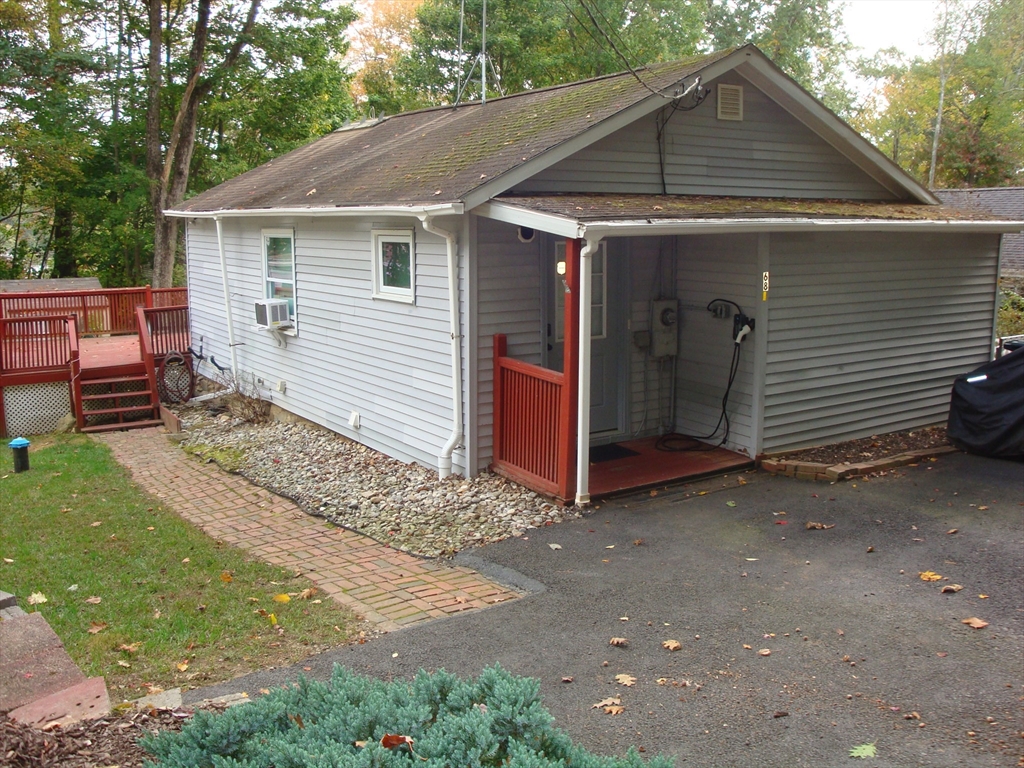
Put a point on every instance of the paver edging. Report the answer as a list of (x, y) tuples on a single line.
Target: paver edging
[(805, 470)]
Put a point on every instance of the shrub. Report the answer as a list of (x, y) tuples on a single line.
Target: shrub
[(494, 720)]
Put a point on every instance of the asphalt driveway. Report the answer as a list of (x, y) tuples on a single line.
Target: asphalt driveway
[(861, 649)]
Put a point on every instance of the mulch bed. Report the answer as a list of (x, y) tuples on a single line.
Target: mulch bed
[(109, 741), (872, 448)]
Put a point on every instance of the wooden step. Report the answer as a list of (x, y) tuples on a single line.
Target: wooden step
[(118, 425), (123, 409), (112, 395), (115, 380)]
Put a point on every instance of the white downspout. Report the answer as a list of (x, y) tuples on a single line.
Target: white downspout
[(227, 297), (583, 416), (444, 460)]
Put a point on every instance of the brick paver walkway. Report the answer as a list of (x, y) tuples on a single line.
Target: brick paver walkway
[(385, 586)]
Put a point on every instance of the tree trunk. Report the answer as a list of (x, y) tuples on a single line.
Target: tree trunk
[(64, 262)]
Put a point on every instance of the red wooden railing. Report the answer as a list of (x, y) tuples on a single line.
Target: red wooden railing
[(33, 345), (167, 328), (530, 443), (100, 312), (146, 348), (170, 297)]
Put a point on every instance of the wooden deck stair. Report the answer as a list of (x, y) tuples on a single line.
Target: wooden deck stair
[(120, 402)]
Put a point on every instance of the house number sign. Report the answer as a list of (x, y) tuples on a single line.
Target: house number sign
[(764, 286)]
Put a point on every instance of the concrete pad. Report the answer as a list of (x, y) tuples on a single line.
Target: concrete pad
[(33, 662), (86, 701), (170, 699), (11, 613), (7, 600)]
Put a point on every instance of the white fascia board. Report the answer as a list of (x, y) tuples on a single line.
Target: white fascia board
[(441, 209), (596, 132), (600, 229), (521, 217), (844, 139)]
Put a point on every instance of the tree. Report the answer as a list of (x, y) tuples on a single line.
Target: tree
[(803, 37)]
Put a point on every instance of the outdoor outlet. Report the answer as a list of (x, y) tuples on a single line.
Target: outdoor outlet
[(353, 420), (282, 386)]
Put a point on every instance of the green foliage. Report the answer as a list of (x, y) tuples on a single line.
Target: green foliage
[(1010, 315), (981, 143), (491, 721), (864, 751)]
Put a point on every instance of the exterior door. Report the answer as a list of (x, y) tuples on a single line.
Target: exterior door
[(607, 358)]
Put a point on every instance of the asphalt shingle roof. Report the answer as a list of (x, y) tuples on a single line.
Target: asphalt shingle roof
[(437, 155)]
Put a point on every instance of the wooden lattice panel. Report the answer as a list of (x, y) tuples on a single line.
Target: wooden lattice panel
[(35, 409)]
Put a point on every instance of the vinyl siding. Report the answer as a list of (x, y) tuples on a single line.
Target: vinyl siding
[(768, 154), (650, 380), (389, 361), (509, 291), (715, 267), (867, 331)]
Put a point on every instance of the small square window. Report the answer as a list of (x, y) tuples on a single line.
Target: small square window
[(394, 265), (279, 266)]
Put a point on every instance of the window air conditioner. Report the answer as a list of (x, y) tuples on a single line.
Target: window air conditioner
[(272, 313)]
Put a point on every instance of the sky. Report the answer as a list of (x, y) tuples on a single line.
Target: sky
[(876, 24)]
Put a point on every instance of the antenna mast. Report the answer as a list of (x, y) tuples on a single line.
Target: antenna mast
[(483, 57)]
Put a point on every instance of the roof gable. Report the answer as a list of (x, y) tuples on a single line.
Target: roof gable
[(473, 152)]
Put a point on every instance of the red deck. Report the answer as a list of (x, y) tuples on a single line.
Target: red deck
[(109, 355), (652, 467)]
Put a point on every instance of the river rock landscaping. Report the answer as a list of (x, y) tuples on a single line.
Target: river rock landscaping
[(403, 505)]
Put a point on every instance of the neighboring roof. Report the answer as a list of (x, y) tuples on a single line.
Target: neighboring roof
[(1005, 202), (472, 152), (54, 284), (575, 215)]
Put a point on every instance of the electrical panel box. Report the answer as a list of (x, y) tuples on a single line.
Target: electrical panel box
[(665, 328)]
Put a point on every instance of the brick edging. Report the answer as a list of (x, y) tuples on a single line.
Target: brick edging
[(806, 470)]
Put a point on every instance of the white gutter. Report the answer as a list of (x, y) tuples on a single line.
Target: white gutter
[(602, 229), (227, 298), (444, 459), (440, 209), (583, 400)]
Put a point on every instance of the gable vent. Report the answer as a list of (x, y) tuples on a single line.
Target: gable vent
[(730, 102)]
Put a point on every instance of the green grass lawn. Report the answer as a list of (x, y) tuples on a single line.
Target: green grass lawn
[(167, 605)]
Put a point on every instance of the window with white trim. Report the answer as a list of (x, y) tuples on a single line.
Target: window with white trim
[(394, 265), (279, 266)]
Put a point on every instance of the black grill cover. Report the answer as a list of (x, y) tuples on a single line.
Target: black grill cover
[(986, 416)]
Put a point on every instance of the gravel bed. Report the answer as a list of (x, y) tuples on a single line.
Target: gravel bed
[(403, 505)]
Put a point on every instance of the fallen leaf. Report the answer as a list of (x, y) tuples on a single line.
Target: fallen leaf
[(983, 507), (638, 542), (975, 622), (567, 679), (671, 645), (748, 647), (156, 614), (8, 560), (619, 642), (36, 598), (129, 647), (182, 666), (610, 546), (273, 620), (781, 713), (751, 559), (357, 744), (186, 561), (730, 503), (983, 597), (96, 524), (555, 546), (226, 577), (953, 530), (627, 680), (942, 654), (94, 600), (615, 709), (952, 588), (307, 593), (123, 663), (870, 550), (818, 526), (929, 576), (623, 618), (610, 701), (653, 494), (97, 627), (765, 652), (864, 751), (282, 598), (297, 719)]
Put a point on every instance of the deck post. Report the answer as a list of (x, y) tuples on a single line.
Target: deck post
[(500, 350), (149, 297), (570, 370)]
